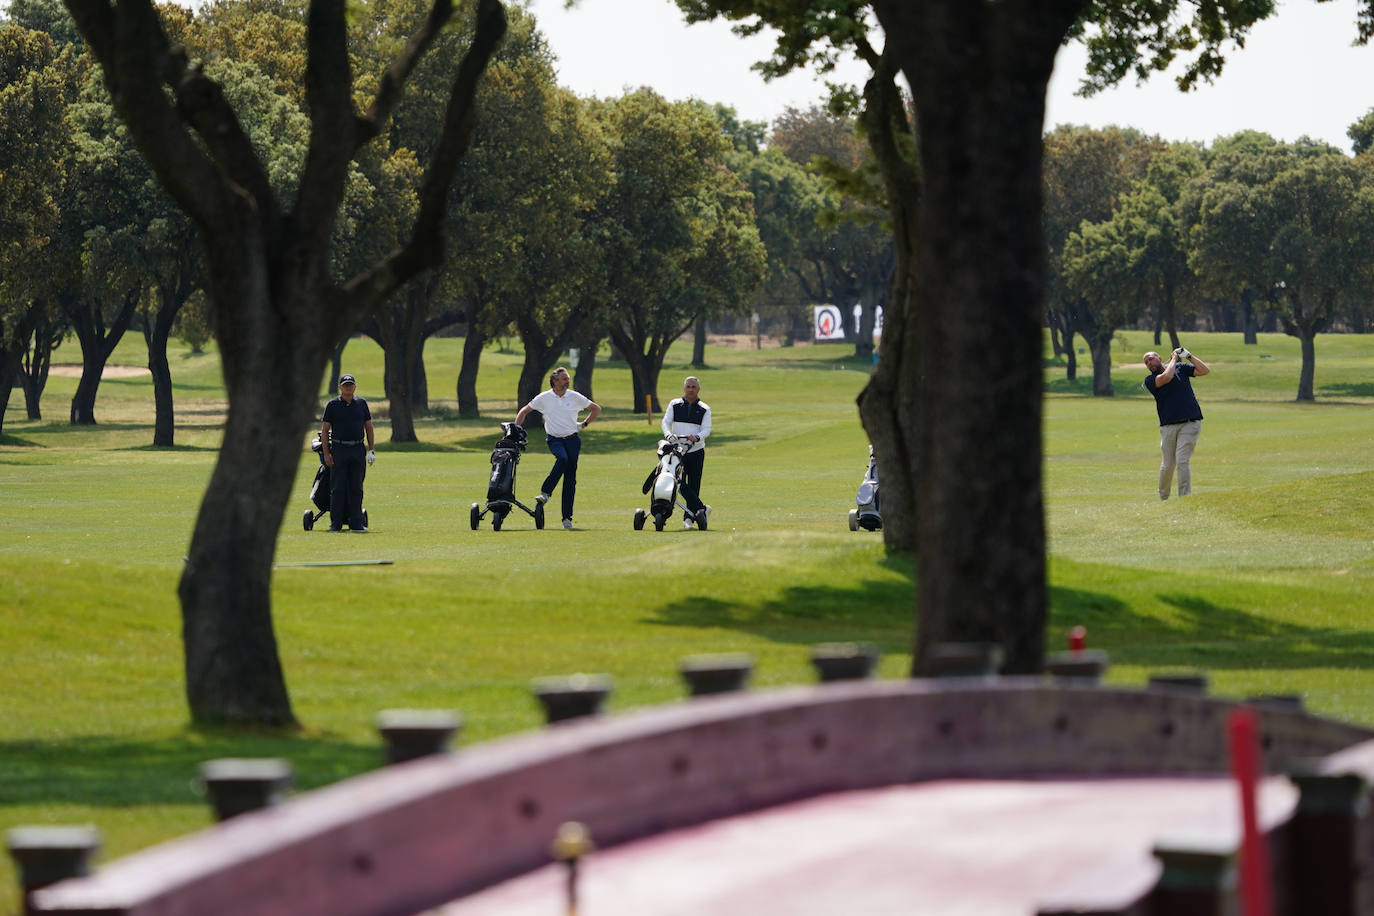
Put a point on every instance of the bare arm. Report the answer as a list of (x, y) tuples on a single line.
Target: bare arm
[(1199, 367), (324, 444), (367, 428), (1170, 370), (520, 417), (593, 411)]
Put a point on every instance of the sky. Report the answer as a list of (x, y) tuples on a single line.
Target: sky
[(1297, 75)]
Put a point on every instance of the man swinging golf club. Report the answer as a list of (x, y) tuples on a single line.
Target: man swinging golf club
[(1180, 417)]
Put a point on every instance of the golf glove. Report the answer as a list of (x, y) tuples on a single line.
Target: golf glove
[(371, 457)]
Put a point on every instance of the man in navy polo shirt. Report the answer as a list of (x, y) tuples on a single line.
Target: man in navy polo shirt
[(1180, 417), (347, 425)]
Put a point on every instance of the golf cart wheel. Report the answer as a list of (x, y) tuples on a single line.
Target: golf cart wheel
[(701, 519), (539, 516), (853, 519), (639, 519), (475, 516), (658, 522), (308, 520), (496, 520)]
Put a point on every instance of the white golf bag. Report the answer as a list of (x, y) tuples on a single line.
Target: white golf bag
[(664, 482)]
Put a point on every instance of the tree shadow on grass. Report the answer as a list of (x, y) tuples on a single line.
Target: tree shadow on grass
[(1195, 632), (1356, 390), (878, 612), (114, 771)]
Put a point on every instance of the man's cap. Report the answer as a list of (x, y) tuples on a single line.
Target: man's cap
[(347, 380)]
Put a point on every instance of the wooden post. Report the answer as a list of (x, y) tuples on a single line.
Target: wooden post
[(1324, 855), (844, 661), (708, 674), (45, 855), (411, 733), (237, 785), (1196, 881), (572, 697)]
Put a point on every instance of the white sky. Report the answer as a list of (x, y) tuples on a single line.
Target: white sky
[(1298, 73)]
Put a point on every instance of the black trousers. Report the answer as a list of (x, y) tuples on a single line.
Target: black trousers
[(346, 486), (692, 464)]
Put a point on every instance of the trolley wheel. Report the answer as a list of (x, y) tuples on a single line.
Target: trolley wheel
[(658, 522), (853, 519), (308, 520), (475, 516), (539, 516), (639, 519), (496, 519), (701, 519)]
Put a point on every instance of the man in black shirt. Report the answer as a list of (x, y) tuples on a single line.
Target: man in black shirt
[(1180, 417), (347, 425)]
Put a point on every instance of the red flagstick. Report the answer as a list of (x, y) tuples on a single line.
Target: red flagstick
[(1255, 875)]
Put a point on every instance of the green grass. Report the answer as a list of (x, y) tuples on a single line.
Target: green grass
[(1263, 577)]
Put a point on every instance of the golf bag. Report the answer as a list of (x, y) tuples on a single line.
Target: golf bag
[(505, 457), (319, 490), (867, 514), (664, 482)]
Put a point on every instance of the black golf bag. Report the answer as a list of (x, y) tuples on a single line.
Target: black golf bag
[(505, 457), (319, 489)]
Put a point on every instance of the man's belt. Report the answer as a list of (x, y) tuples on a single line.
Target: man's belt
[(347, 441)]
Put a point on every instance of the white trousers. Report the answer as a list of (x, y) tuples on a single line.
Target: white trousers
[(1176, 444)]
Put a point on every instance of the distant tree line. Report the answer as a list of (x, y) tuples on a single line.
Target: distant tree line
[(1247, 234), (581, 221)]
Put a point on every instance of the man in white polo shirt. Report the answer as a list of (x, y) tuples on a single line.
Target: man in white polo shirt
[(560, 406)]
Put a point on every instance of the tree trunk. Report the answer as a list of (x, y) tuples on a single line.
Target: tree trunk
[(1247, 309), (887, 405), (586, 366), (980, 295), (1307, 377), (419, 382), (633, 352), (155, 335), (9, 370), (398, 373), (699, 344), (97, 344), (473, 345), (36, 360), (1101, 348)]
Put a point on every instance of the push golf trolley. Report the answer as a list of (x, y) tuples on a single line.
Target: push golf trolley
[(501, 488), (664, 481), (866, 514), (319, 490)]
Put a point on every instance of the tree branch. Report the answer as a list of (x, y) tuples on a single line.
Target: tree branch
[(426, 246), (136, 59), (394, 80)]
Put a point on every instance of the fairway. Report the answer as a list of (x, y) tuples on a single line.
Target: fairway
[(1262, 577)]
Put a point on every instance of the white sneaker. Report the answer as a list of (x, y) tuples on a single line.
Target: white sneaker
[(542, 498), (708, 515), (688, 524), (567, 523)]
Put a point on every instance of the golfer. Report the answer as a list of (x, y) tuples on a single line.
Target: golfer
[(690, 417), (1180, 417), (560, 407), (346, 426)]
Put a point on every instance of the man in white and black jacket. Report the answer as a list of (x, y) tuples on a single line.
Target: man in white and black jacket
[(690, 417)]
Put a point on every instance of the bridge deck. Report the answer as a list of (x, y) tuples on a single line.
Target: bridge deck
[(975, 847)]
